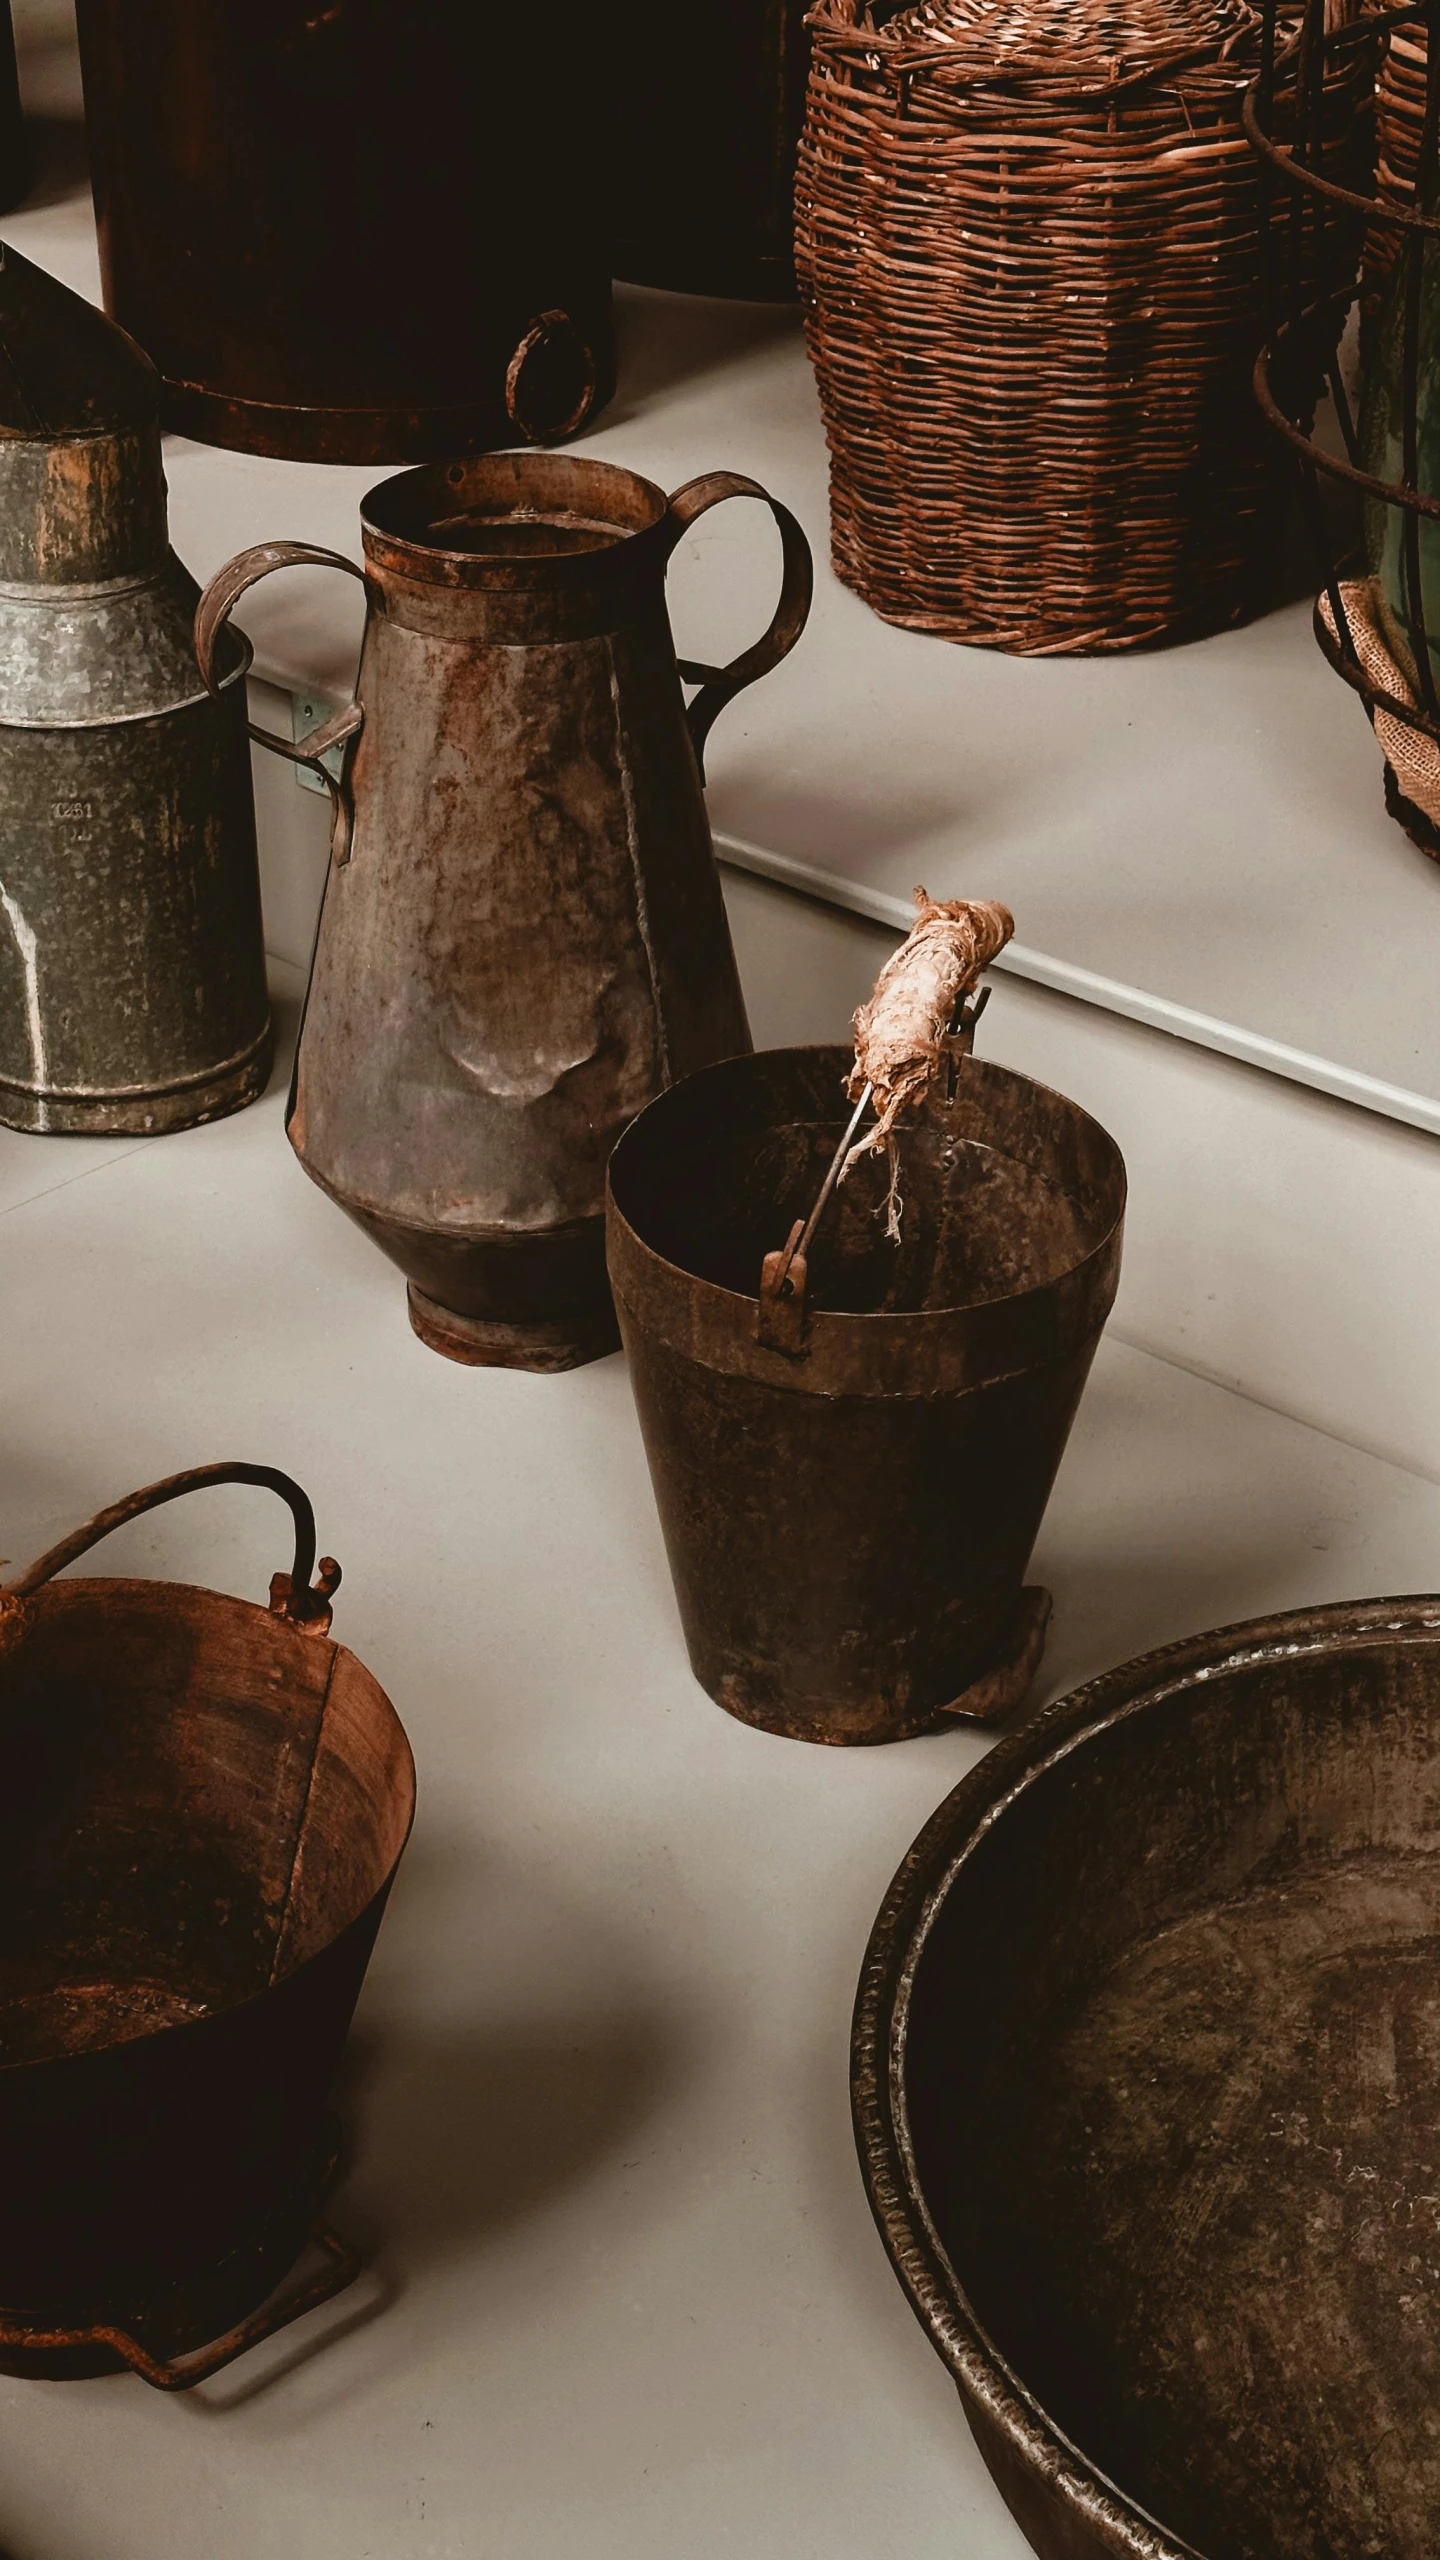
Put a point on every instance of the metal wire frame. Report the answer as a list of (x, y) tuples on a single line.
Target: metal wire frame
[(1301, 356)]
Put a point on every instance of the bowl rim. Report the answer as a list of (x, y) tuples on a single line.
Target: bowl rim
[(880, 2025)]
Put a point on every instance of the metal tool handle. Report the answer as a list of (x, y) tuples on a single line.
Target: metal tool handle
[(719, 685), (212, 614), (291, 1594)]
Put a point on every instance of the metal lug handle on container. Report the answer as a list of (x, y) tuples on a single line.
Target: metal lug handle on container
[(211, 615), (719, 685), (342, 2265), (552, 328), (291, 1594)]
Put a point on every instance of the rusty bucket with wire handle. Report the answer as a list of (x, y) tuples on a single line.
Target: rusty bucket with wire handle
[(852, 1447), (204, 1809)]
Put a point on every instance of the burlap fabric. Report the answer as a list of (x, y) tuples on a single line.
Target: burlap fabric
[(1413, 757)]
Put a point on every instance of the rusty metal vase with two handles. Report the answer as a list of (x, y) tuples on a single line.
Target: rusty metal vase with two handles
[(522, 939)]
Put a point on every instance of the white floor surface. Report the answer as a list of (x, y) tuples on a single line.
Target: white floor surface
[(629, 2304)]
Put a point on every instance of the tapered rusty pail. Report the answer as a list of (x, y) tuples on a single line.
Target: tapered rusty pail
[(849, 1519), (203, 1811)]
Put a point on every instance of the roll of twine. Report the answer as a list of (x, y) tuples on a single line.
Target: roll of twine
[(1029, 246)]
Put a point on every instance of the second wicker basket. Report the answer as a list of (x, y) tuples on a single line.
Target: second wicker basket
[(1029, 242)]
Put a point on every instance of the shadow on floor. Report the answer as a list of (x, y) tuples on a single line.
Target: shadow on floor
[(662, 339), (458, 2134), (453, 2137)]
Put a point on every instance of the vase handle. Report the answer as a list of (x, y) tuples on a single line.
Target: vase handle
[(211, 615), (719, 685)]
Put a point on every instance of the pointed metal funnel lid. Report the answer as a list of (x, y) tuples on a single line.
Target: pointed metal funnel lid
[(82, 489), (65, 370)]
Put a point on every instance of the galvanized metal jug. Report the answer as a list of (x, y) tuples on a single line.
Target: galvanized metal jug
[(523, 938), (132, 965)]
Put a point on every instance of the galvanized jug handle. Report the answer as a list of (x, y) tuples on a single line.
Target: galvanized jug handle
[(211, 615), (291, 1595), (719, 685)]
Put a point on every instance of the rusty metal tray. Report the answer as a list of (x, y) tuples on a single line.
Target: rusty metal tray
[(1147, 2092)]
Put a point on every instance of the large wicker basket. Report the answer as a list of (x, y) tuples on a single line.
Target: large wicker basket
[(1028, 238)]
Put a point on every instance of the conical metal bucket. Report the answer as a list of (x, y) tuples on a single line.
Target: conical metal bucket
[(204, 1808), (849, 1520)]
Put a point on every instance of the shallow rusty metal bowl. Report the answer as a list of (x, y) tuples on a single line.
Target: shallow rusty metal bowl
[(1147, 2092), (849, 1513), (204, 1805)]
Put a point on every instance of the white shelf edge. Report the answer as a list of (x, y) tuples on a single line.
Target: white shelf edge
[(1158, 1013), (1065, 977)]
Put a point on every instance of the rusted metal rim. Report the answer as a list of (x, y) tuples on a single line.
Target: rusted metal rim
[(879, 1353), (297, 432), (404, 519), (880, 2029)]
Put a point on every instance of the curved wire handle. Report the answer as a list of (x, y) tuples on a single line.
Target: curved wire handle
[(291, 1595)]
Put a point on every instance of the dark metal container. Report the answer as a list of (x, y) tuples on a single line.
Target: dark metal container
[(849, 1520), (132, 961), (17, 168), (361, 233), (204, 1807), (708, 107), (1145, 2093), (523, 937)]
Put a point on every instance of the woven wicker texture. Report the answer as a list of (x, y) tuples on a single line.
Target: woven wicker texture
[(1028, 238), (1399, 124)]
